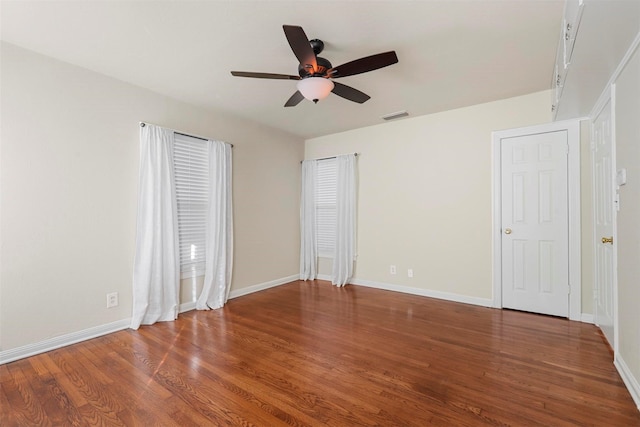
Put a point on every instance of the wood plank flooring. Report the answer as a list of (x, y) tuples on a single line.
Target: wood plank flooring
[(310, 354)]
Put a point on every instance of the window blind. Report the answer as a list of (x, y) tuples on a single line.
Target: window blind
[(326, 187), (191, 169)]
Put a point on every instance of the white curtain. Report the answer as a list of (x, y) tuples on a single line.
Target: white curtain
[(308, 244), (346, 220), (156, 266), (219, 239)]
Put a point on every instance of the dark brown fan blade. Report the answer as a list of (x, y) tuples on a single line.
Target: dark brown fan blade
[(264, 75), (347, 92), (363, 65), (301, 47), (294, 100)]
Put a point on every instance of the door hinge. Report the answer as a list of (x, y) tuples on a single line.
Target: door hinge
[(568, 289)]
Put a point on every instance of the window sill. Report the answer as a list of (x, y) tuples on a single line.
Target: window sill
[(190, 274)]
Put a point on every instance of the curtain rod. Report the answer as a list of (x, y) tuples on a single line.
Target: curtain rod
[(328, 158), (143, 124)]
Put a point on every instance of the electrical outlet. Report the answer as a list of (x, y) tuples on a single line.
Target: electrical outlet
[(410, 272), (392, 269), (112, 299)]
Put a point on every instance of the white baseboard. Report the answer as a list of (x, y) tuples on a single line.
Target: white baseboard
[(187, 306), (262, 286), (76, 337), (629, 380), (587, 318), (484, 302), (62, 341)]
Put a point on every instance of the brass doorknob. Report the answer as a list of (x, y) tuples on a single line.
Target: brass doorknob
[(507, 231), (607, 240)]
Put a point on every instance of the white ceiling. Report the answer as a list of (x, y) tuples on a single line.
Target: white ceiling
[(451, 53)]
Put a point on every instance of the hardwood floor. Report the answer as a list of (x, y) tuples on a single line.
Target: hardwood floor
[(313, 354)]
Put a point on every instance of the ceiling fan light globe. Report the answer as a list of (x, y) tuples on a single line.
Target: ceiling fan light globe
[(315, 88)]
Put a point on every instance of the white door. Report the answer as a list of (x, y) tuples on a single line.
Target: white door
[(604, 217), (535, 223)]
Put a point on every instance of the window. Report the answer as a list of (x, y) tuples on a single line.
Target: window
[(191, 169), (326, 187)]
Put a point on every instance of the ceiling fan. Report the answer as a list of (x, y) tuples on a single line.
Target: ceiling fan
[(316, 74)]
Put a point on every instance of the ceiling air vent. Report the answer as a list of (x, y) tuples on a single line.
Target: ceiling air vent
[(395, 115)]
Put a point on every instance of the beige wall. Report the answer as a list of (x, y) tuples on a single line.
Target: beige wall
[(69, 176), (424, 197), (627, 137)]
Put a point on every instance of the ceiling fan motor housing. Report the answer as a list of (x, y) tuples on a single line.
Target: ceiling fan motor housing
[(317, 45), (323, 66)]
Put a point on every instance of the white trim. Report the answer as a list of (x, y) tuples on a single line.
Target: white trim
[(262, 286), (191, 273), (604, 96), (187, 306), (87, 334), (62, 341), (628, 379), (573, 181), (587, 318), (484, 302)]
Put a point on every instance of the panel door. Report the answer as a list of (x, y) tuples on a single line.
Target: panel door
[(535, 223), (604, 217)]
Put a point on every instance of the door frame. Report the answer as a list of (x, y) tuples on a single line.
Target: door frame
[(573, 181)]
